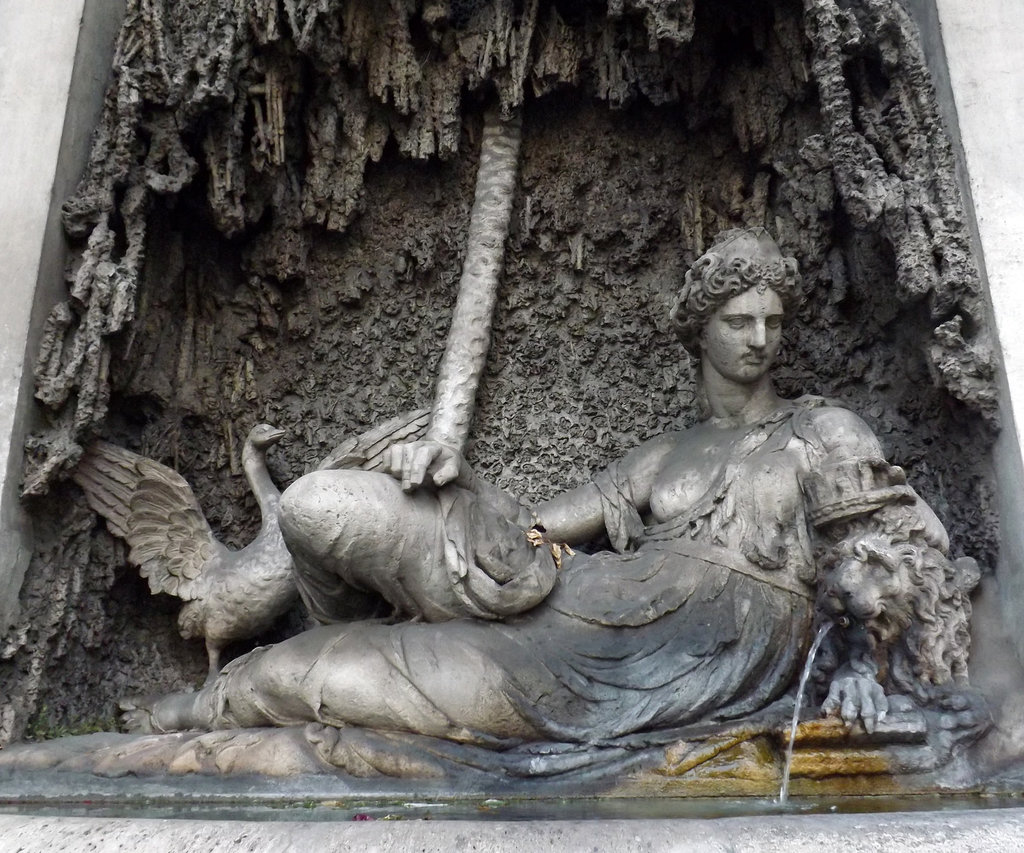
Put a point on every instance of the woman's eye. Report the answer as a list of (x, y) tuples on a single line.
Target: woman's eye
[(737, 323), (774, 322)]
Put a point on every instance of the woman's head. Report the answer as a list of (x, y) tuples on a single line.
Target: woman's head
[(738, 260)]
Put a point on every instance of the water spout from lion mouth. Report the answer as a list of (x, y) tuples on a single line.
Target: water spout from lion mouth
[(798, 704)]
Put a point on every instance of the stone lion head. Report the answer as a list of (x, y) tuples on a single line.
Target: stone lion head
[(912, 601)]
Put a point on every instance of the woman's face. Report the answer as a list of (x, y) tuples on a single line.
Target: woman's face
[(741, 339)]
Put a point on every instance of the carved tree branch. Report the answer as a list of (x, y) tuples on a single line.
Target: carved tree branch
[(470, 336)]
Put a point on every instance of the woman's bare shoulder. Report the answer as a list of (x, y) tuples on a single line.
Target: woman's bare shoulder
[(839, 429), (655, 447)]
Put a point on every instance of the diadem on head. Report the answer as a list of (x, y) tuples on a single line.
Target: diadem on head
[(756, 244), (738, 260)]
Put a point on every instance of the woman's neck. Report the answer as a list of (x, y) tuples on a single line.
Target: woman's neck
[(727, 398)]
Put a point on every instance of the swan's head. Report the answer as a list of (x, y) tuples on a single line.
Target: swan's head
[(263, 436)]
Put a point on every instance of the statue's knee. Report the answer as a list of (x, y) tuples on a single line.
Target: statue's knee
[(301, 505), (325, 506)]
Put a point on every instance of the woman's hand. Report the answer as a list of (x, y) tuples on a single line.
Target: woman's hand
[(853, 696), (416, 461)]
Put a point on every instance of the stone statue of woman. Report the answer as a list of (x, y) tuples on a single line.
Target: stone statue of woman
[(703, 610)]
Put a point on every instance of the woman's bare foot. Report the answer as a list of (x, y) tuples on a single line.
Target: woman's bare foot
[(157, 714)]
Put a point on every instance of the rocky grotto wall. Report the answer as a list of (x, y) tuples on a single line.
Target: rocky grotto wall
[(272, 224)]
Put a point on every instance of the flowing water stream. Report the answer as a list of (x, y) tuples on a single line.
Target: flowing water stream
[(798, 705)]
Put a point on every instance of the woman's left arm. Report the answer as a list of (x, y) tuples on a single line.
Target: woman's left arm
[(858, 503), (844, 441)]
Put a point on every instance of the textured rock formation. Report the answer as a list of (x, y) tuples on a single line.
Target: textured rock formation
[(273, 221)]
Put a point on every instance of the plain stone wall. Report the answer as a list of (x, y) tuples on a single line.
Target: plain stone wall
[(975, 54), (54, 66)]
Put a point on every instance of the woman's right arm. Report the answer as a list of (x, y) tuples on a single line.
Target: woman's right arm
[(577, 516), (573, 517)]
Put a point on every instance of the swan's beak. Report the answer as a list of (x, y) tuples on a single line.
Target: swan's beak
[(275, 436)]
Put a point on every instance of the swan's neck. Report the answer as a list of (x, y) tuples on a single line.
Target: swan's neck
[(267, 495)]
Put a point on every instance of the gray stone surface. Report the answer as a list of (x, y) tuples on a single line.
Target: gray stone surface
[(986, 75), (961, 832), (55, 56), (620, 646), (978, 73), (611, 207)]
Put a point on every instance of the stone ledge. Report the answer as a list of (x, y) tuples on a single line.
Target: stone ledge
[(956, 832), (708, 760)]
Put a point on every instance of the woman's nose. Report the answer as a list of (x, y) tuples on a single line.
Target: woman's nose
[(758, 334)]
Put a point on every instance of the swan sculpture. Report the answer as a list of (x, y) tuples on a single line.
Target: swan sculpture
[(229, 595)]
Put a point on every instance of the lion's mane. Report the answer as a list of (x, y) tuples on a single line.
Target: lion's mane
[(932, 609)]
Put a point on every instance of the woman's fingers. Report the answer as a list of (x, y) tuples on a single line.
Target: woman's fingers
[(448, 470), (414, 461), (417, 463)]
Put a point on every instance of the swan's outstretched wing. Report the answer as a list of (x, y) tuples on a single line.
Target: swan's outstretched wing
[(153, 509), (367, 450)]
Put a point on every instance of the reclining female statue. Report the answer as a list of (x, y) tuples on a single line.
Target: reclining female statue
[(703, 610)]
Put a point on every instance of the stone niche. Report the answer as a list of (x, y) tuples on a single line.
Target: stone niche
[(272, 224)]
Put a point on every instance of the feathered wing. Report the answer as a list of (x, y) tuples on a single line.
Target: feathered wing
[(153, 509), (109, 477), (367, 450)]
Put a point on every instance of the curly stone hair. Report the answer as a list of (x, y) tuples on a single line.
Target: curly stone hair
[(738, 260)]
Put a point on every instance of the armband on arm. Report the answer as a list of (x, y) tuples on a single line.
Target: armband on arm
[(852, 488)]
